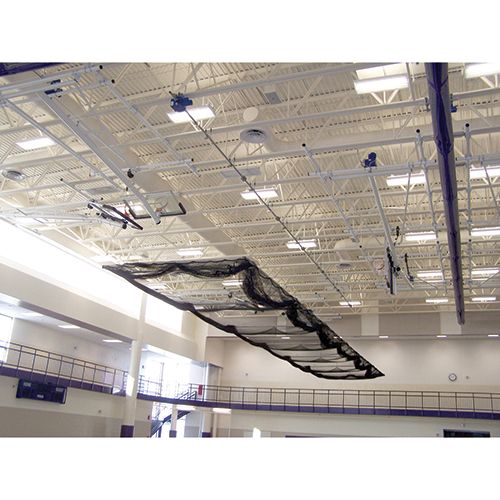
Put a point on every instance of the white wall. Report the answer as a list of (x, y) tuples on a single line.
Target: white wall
[(407, 364), (51, 300), (85, 414), (63, 342), (280, 424)]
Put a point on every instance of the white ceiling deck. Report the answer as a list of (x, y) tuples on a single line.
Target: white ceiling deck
[(107, 120)]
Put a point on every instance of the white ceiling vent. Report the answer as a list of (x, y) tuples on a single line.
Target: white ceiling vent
[(253, 135)]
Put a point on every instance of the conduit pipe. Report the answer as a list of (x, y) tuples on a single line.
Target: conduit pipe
[(440, 106)]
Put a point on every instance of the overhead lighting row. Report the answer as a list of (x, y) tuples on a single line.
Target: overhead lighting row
[(393, 77)]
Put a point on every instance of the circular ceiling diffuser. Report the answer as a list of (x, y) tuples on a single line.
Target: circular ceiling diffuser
[(253, 135), (13, 175)]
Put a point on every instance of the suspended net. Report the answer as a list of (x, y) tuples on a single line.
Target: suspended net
[(280, 324)]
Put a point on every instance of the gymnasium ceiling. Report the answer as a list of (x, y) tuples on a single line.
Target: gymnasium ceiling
[(104, 121)]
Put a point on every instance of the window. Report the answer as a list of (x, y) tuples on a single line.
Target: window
[(46, 260), (163, 315), (5, 334)]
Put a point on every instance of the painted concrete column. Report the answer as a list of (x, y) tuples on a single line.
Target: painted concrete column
[(173, 423), (215, 419), (127, 428), (206, 424)]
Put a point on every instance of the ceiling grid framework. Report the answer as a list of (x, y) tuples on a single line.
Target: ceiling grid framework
[(111, 119)]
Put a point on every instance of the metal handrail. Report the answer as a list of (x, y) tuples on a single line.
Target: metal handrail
[(445, 403), (22, 358)]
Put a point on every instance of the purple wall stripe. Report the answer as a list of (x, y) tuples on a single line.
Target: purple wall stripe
[(38, 377)]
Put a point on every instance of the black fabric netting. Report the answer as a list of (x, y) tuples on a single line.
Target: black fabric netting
[(308, 344)]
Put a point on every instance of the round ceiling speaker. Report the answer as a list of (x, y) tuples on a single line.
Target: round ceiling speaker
[(253, 135), (13, 175)]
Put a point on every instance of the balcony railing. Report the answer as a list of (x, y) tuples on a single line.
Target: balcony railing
[(361, 402), (31, 363), (37, 364)]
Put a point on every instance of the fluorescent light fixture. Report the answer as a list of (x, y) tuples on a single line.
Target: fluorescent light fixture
[(190, 252), (483, 299), (40, 142), (112, 341), (292, 245), (350, 303), (69, 327), (443, 300), (402, 180), (441, 336), (234, 283), (493, 335), (264, 193), (32, 314), (186, 407), (380, 71), (485, 272), (383, 336), (481, 69), (224, 411), (425, 236), (285, 338), (486, 231), (484, 173), (381, 84), (429, 274), (197, 112)]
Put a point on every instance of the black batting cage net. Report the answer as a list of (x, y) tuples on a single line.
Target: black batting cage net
[(235, 296)]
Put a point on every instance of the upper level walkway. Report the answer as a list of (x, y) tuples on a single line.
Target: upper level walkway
[(30, 363)]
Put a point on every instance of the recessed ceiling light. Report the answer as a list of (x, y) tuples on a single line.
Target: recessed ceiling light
[(186, 407), (425, 236), (486, 231), (264, 193), (481, 69), (225, 411), (483, 299), (383, 336), (484, 173), (112, 341), (443, 300), (190, 252), (429, 274), (384, 83), (493, 335), (404, 180), (380, 71), (13, 175), (232, 283), (197, 112), (441, 336), (293, 245), (285, 338), (40, 142), (485, 271), (69, 327), (350, 303)]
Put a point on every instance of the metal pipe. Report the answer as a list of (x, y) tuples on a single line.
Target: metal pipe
[(78, 132), (440, 106)]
